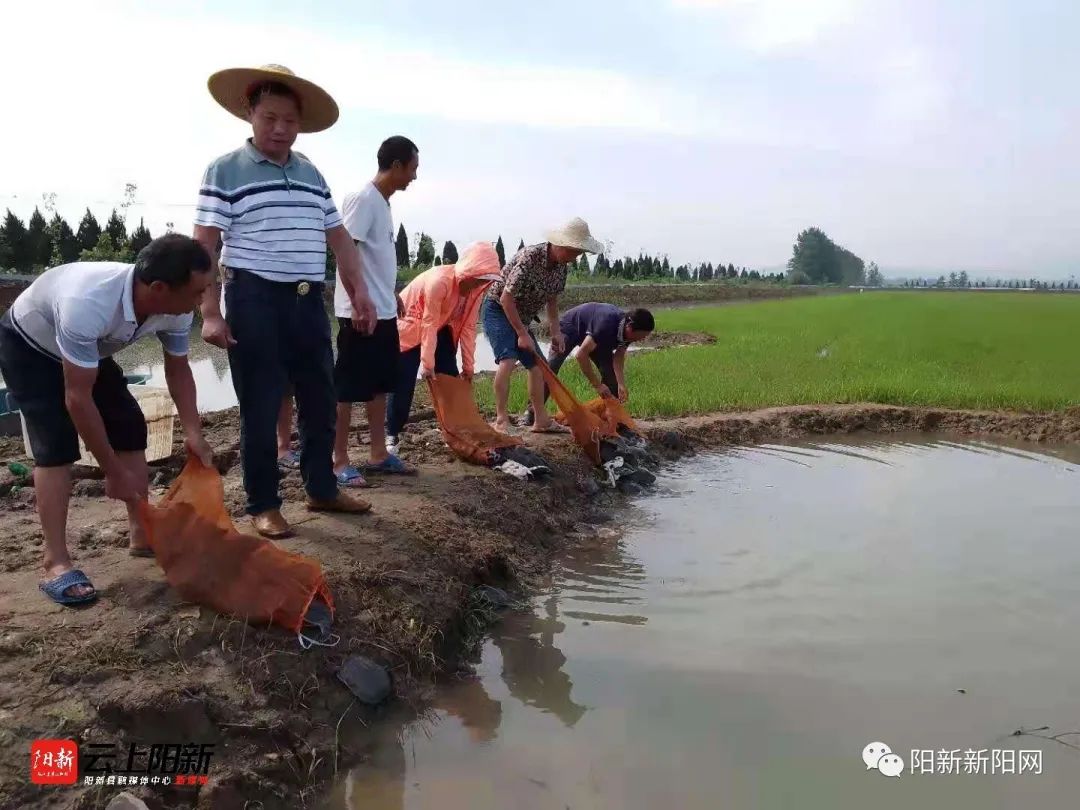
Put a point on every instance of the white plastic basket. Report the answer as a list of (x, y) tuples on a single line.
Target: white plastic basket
[(159, 411)]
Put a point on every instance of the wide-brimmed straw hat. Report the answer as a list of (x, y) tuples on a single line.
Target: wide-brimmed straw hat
[(230, 89), (575, 234)]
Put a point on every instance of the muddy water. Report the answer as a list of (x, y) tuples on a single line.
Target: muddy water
[(767, 616), (210, 366)]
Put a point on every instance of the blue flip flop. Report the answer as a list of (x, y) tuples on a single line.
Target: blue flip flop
[(54, 588), (391, 465), (289, 461), (351, 477)]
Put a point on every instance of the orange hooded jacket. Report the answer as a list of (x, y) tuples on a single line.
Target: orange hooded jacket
[(431, 302)]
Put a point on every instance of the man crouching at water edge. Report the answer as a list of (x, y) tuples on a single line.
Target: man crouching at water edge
[(531, 280), (273, 213), (56, 347), (601, 333)]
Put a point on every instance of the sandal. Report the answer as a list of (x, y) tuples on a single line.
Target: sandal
[(55, 588), (391, 465), (289, 461), (352, 478), (554, 428)]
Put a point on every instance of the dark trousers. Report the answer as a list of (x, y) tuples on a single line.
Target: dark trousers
[(282, 337), (399, 402), (604, 362)]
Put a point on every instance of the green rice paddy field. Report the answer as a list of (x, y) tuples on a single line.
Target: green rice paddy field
[(958, 350)]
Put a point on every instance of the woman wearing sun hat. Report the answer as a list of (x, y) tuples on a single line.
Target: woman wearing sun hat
[(531, 280), (272, 211)]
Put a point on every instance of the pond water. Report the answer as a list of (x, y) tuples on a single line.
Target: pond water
[(771, 612)]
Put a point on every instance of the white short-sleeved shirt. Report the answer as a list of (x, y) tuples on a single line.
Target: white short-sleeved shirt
[(366, 215), (83, 312)]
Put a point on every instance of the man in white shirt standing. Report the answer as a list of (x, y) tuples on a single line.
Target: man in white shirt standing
[(56, 347), (367, 365)]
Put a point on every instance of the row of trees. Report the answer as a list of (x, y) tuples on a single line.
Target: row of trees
[(961, 281), (642, 268), (424, 255), (41, 243), (817, 259), (646, 267)]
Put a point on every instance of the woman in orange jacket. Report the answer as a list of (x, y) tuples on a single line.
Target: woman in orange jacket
[(442, 306)]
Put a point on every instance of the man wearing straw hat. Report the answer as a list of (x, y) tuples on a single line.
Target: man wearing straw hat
[(272, 210), (531, 281)]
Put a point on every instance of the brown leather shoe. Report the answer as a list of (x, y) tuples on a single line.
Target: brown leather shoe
[(271, 524), (349, 504)]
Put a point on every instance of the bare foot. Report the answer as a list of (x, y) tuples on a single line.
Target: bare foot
[(503, 426), (75, 591)]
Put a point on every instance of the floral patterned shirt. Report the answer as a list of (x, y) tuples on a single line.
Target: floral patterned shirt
[(531, 278)]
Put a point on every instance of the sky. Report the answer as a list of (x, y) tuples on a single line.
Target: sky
[(925, 135)]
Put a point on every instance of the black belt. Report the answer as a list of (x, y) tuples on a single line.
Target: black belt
[(299, 287)]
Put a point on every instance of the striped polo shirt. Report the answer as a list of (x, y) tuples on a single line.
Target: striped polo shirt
[(273, 219)]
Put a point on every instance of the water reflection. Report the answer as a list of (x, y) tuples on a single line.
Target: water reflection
[(468, 702), (532, 664), (523, 658), (210, 367)]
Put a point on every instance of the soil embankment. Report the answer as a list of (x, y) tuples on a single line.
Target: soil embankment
[(9, 291), (658, 295)]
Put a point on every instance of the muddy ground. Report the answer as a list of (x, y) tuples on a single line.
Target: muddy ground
[(141, 665)]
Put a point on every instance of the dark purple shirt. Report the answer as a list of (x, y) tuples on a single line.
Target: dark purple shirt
[(604, 322)]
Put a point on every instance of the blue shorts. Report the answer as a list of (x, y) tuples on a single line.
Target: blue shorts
[(502, 337)]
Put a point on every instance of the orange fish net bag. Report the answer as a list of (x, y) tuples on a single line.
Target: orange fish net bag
[(607, 433), (609, 411), (210, 563), (464, 430), (587, 427)]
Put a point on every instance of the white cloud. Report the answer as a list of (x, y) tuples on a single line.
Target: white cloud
[(120, 95), (773, 25), (370, 72), (911, 90)]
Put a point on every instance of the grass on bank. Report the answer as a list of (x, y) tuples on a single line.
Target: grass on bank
[(959, 350)]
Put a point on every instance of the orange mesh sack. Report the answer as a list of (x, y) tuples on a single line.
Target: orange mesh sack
[(609, 410), (587, 427), (210, 563), (463, 428)]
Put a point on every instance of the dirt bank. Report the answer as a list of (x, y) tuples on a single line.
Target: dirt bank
[(142, 666), (641, 295), (798, 421)]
